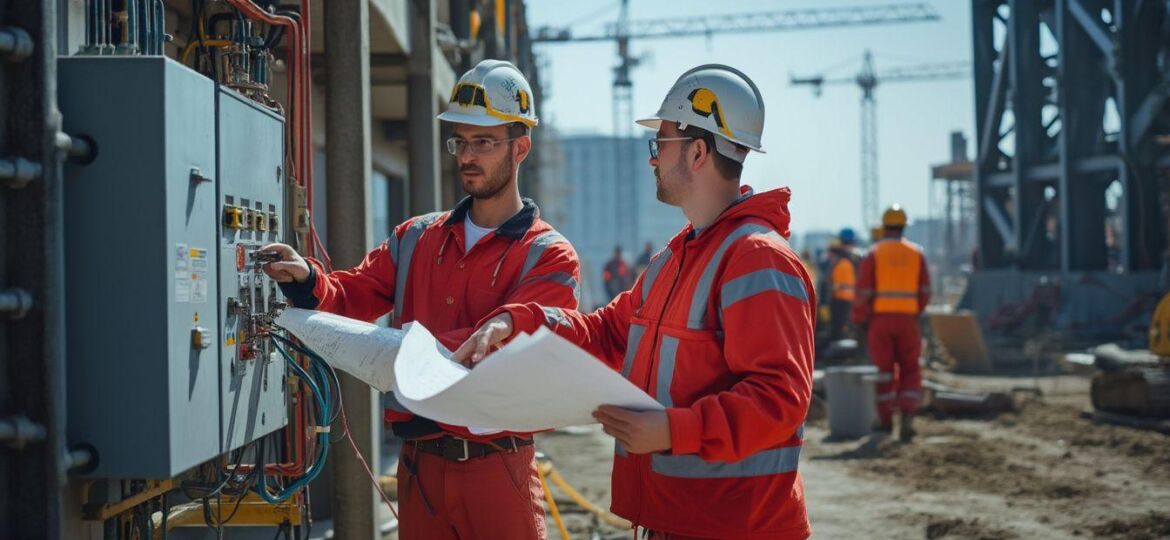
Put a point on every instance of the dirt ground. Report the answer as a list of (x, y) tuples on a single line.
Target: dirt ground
[(1040, 472)]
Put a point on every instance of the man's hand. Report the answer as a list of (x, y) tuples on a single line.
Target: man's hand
[(639, 432), (481, 342), (291, 266)]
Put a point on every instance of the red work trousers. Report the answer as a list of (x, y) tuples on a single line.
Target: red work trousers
[(895, 344), (494, 496)]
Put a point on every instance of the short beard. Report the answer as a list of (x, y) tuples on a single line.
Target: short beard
[(497, 180), (680, 176)]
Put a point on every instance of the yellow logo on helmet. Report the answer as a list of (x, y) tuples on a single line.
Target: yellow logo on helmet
[(704, 102), (522, 98)]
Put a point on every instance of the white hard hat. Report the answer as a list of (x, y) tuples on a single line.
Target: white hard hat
[(493, 93), (719, 99)]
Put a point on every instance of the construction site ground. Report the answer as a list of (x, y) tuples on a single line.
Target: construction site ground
[(1043, 471)]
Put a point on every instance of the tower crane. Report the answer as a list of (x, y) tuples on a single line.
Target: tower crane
[(867, 80), (622, 30)]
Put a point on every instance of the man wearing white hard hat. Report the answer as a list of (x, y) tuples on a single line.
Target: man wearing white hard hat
[(448, 270), (718, 328)]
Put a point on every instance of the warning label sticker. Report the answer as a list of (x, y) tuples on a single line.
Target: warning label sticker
[(182, 273), (199, 270)]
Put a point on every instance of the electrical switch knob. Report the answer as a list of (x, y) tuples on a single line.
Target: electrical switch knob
[(233, 217), (200, 338)]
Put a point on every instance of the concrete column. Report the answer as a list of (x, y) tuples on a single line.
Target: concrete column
[(421, 123), (347, 185)]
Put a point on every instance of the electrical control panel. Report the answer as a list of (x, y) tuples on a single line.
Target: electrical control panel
[(251, 199), (166, 309), (140, 238)]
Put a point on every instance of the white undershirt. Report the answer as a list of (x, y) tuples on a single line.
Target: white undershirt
[(472, 233)]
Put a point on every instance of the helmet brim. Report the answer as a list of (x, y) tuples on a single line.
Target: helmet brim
[(655, 123), (651, 123), (471, 119)]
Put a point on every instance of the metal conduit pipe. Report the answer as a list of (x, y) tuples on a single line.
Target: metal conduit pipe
[(160, 23), (129, 29)]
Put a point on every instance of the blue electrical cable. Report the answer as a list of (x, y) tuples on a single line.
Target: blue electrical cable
[(324, 405)]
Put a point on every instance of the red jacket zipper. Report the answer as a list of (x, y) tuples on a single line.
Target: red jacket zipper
[(643, 475)]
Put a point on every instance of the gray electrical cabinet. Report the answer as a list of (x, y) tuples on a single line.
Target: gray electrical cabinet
[(251, 196), (140, 236), (155, 384)]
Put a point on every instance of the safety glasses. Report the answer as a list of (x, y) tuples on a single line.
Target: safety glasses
[(654, 144), (478, 145)]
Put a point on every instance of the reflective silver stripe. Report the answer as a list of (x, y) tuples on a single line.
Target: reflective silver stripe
[(393, 248), (554, 316), (635, 339), (897, 294), (651, 272), (406, 253), (539, 244), (763, 280), (560, 278), (763, 463), (888, 396), (666, 358), (911, 394), (703, 289)]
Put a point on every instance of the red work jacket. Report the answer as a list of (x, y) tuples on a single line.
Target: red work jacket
[(423, 274), (719, 329)]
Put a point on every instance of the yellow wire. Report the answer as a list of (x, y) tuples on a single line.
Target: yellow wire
[(607, 517), (552, 505), (210, 43)]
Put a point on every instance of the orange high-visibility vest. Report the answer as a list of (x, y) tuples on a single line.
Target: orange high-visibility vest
[(844, 280), (897, 263)]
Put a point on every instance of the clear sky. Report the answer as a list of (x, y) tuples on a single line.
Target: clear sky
[(813, 144)]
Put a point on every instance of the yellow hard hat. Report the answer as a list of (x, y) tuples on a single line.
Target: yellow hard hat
[(894, 216)]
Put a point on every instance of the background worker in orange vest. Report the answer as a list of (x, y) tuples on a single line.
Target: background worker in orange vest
[(448, 270), (892, 291), (719, 329), (842, 284)]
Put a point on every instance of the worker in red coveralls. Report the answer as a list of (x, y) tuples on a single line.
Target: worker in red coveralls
[(893, 289), (718, 329), (616, 275), (447, 270)]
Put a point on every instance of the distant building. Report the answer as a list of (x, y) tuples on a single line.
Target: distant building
[(588, 208)]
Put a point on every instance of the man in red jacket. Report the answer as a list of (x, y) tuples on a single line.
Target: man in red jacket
[(719, 329), (448, 270), (893, 289)]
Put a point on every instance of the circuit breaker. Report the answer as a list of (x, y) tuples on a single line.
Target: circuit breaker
[(167, 363), (140, 246), (251, 197)]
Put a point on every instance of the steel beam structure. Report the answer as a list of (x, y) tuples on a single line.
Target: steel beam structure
[(33, 456), (1056, 129)]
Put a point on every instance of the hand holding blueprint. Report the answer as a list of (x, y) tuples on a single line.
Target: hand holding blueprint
[(535, 382)]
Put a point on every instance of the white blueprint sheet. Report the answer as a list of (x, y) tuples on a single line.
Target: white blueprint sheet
[(361, 349), (534, 383)]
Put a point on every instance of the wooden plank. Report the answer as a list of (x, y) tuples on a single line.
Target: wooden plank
[(961, 339)]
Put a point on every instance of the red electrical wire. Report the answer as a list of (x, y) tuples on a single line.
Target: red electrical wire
[(297, 91)]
